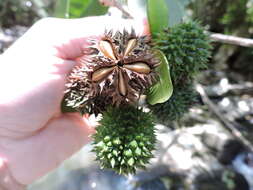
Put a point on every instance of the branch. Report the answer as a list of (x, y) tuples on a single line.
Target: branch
[(227, 124), (233, 40)]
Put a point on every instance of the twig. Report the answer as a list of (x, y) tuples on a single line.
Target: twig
[(246, 88), (227, 124), (233, 40), (231, 89)]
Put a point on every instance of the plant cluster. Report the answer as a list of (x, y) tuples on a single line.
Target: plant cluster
[(22, 12), (120, 68), (187, 49), (222, 16)]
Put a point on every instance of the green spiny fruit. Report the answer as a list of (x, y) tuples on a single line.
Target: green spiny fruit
[(187, 49), (179, 103), (125, 139)]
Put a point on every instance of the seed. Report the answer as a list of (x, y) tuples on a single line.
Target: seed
[(122, 86), (101, 73), (130, 45), (138, 67), (106, 48)]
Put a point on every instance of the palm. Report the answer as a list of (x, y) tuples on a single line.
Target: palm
[(35, 135)]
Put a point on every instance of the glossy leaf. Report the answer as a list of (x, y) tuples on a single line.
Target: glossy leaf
[(94, 9), (163, 89), (158, 15), (79, 8)]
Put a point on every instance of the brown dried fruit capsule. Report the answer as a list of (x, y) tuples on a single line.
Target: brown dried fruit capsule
[(119, 69)]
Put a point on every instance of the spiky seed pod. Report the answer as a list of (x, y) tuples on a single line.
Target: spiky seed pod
[(187, 49), (125, 139), (119, 68), (181, 100)]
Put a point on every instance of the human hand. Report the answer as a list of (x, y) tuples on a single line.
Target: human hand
[(35, 137)]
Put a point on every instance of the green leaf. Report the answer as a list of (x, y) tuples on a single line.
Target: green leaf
[(163, 89), (158, 15), (94, 9), (79, 8), (62, 9)]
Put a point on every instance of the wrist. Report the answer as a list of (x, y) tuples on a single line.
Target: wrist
[(7, 181)]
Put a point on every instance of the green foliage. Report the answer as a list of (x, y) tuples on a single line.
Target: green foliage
[(158, 15), (179, 103), (187, 49), (163, 89), (124, 139), (228, 178), (223, 15), (94, 8), (230, 17), (164, 13), (17, 12), (79, 8), (235, 14)]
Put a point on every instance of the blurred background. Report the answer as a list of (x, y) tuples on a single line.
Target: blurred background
[(190, 154)]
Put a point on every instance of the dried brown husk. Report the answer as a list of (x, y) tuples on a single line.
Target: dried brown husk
[(119, 68)]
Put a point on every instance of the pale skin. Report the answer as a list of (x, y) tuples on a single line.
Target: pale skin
[(35, 137)]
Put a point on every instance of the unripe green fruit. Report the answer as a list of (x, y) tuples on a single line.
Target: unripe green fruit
[(181, 100), (125, 139), (187, 48)]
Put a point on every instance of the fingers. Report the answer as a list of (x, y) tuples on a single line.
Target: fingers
[(70, 35), (35, 156), (66, 38)]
